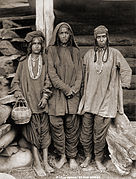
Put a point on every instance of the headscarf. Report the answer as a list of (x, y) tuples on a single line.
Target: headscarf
[(65, 26), (53, 40), (29, 37), (100, 30)]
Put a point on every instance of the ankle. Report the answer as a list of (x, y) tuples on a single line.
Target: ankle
[(100, 165), (46, 163), (98, 160), (88, 157), (72, 160), (37, 165), (63, 156)]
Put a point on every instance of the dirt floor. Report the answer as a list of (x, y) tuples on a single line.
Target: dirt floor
[(66, 173)]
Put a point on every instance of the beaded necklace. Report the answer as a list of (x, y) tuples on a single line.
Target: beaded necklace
[(34, 60), (39, 67)]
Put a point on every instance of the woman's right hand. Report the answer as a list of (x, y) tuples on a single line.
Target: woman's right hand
[(42, 103)]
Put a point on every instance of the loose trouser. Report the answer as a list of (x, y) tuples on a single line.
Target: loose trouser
[(93, 134), (36, 131), (65, 134)]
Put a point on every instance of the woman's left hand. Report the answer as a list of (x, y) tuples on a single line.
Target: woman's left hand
[(42, 103), (71, 93)]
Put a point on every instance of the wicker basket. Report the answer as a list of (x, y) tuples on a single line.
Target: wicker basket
[(21, 113)]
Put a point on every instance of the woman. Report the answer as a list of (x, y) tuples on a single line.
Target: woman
[(106, 72), (31, 82), (65, 73)]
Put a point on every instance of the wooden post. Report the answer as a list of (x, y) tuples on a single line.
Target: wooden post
[(135, 12), (45, 18)]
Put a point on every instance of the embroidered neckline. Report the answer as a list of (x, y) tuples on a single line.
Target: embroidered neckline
[(98, 66), (30, 68)]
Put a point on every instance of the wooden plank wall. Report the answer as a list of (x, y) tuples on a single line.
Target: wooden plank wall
[(120, 20)]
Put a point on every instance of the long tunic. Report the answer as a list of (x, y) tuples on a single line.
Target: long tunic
[(103, 91), (31, 88), (37, 130), (65, 72)]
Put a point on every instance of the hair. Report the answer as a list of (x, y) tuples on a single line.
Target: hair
[(70, 41), (29, 47)]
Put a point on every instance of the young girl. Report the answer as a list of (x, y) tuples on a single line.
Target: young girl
[(31, 82)]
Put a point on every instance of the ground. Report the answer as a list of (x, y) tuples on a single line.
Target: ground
[(66, 173)]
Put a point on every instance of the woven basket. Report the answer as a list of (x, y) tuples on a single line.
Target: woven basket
[(21, 113)]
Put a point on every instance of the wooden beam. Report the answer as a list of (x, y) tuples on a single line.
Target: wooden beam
[(18, 18), (118, 0), (20, 28), (115, 40), (127, 51), (45, 18), (135, 13)]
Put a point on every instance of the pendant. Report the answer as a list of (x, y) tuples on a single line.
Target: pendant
[(99, 68), (33, 63)]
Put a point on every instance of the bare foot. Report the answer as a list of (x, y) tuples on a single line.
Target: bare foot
[(86, 162), (39, 171), (100, 166), (73, 164), (88, 168), (48, 168), (61, 162)]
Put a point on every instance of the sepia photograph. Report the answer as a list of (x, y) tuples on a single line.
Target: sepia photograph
[(67, 89)]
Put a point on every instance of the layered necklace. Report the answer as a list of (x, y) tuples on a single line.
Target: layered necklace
[(31, 64)]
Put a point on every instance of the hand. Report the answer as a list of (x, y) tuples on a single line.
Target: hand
[(42, 102), (71, 93), (18, 94), (124, 87)]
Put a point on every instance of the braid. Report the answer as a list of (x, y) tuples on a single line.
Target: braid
[(96, 48), (29, 50)]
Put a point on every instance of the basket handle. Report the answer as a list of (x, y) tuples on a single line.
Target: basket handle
[(21, 101)]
